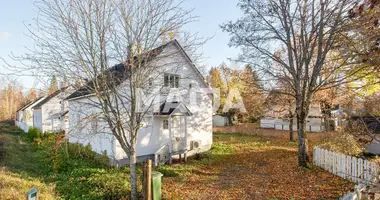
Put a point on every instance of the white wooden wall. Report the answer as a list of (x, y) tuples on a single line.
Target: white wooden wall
[(348, 167), (267, 123), (22, 126)]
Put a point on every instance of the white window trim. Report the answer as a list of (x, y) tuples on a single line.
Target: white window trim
[(175, 83), (165, 122)]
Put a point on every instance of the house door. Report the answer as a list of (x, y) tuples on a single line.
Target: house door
[(178, 133)]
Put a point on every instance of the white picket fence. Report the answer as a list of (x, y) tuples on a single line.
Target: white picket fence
[(355, 195), (348, 167)]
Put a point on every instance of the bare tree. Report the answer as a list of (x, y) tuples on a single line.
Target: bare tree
[(305, 31), (111, 50), (11, 99)]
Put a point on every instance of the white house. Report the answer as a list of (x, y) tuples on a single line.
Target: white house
[(24, 116), (47, 114), (277, 119), (176, 127), (220, 120)]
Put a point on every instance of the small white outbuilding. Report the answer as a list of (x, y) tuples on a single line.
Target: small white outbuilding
[(48, 113)]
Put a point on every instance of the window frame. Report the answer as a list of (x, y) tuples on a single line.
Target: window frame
[(171, 80), (150, 82), (165, 124)]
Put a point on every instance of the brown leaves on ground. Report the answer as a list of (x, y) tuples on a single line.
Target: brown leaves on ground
[(262, 165)]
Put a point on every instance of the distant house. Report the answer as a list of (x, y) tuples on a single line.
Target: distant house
[(48, 114), (277, 118), (24, 116), (220, 120), (185, 128)]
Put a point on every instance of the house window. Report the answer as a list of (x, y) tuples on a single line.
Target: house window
[(165, 124), (171, 80)]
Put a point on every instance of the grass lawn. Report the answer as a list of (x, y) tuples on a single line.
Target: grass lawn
[(257, 165), (24, 165)]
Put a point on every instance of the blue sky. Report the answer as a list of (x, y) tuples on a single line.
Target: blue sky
[(15, 13)]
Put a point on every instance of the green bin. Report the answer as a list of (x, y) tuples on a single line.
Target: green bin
[(156, 185)]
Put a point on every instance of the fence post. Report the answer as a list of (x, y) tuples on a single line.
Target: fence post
[(354, 169), (148, 180), (330, 154), (360, 170), (335, 163), (348, 167), (344, 166), (324, 158), (365, 165), (315, 156)]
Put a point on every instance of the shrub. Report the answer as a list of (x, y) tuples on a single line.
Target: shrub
[(94, 183), (50, 135), (18, 130), (61, 162), (68, 156), (85, 152), (345, 144), (33, 133), (168, 171)]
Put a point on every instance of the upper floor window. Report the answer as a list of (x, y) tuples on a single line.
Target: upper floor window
[(165, 124), (150, 82), (171, 80)]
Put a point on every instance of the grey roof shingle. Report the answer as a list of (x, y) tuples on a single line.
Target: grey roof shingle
[(118, 73), (52, 95), (30, 103)]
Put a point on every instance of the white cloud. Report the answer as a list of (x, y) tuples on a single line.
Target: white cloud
[(4, 35)]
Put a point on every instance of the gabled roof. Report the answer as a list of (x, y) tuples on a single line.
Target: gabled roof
[(52, 95), (115, 75), (24, 106), (31, 103), (119, 73), (169, 108)]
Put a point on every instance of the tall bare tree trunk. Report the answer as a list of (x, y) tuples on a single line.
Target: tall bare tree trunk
[(326, 122), (303, 156), (132, 167), (291, 133)]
